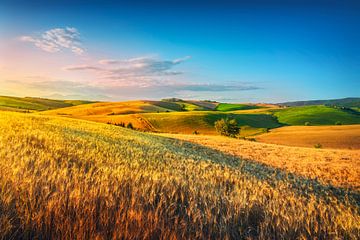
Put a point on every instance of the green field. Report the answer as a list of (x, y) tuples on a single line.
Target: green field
[(182, 105), (315, 115), (342, 102), (203, 121), (179, 106), (356, 109), (225, 107), (36, 104)]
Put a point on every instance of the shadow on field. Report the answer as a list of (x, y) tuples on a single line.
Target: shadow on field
[(301, 185)]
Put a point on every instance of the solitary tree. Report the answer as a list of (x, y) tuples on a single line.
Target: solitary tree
[(129, 125), (227, 127)]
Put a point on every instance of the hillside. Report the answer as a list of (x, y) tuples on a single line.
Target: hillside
[(203, 122), (224, 107), (65, 177), (179, 116), (343, 102), (343, 137), (316, 115), (329, 166), (163, 116), (35, 104), (116, 108)]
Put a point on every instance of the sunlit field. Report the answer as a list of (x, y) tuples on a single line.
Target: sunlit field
[(337, 137), (179, 120), (175, 117), (73, 179), (334, 167)]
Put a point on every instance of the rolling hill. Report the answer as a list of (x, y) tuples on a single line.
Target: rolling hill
[(164, 116), (35, 104), (336, 137), (225, 107), (187, 116), (315, 115), (179, 116), (116, 108), (343, 102), (203, 122), (63, 177)]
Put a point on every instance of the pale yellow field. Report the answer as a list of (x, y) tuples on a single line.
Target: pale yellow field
[(111, 112), (343, 137), (107, 108), (338, 167)]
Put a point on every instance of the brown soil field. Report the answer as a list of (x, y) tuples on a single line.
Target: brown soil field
[(342, 137), (340, 168)]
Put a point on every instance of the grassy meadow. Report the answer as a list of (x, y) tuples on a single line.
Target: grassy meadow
[(234, 106), (35, 104), (65, 178), (316, 115)]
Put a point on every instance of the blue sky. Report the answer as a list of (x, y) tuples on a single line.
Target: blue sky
[(234, 51)]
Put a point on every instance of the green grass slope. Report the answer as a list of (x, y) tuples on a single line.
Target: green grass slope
[(37, 104), (225, 107), (178, 105), (343, 102), (66, 178), (316, 115), (203, 121), (184, 105)]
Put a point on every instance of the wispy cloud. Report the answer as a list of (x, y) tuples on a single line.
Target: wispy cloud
[(217, 87), (47, 86), (57, 39), (147, 77), (142, 71), (82, 67)]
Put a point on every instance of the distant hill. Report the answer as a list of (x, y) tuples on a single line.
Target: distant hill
[(35, 104), (225, 107), (316, 115), (343, 102)]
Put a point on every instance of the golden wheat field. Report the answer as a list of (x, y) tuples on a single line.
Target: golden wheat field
[(330, 166), (344, 137), (64, 178)]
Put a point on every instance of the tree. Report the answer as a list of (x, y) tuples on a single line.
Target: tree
[(129, 125), (227, 127)]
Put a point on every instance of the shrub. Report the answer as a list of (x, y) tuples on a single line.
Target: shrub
[(318, 145), (183, 107), (129, 125), (195, 132), (120, 124), (307, 124), (338, 123), (227, 127)]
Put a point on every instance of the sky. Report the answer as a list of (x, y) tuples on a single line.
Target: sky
[(229, 51)]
